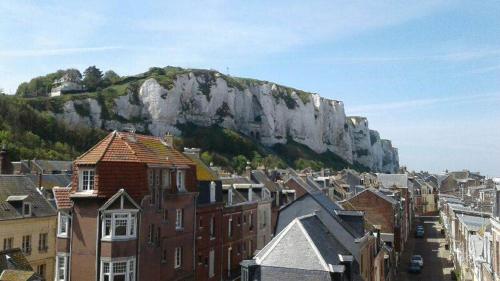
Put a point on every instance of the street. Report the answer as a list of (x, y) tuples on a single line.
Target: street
[(437, 266)]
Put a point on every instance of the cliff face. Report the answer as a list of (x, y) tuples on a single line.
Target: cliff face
[(262, 110)]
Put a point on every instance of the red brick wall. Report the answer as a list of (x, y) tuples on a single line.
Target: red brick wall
[(377, 210), (204, 244), (151, 265), (83, 242)]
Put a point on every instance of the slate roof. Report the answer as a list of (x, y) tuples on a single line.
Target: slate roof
[(61, 196), (389, 180), (131, 147), (51, 180), (51, 166), (14, 259), (378, 193), (260, 177), (20, 185), (235, 180), (306, 244), (19, 275)]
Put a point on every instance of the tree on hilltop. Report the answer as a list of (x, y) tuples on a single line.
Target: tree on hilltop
[(92, 77)]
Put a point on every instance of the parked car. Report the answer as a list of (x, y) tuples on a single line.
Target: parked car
[(418, 259), (419, 233), (414, 267)]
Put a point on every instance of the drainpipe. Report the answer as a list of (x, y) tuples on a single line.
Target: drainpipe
[(98, 247), (194, 233)]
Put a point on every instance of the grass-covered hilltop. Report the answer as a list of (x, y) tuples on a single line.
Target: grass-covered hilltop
[(227, 117)]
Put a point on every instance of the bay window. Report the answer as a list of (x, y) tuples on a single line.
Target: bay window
[(122, 270), (61, 267), (86, 179), (63, 225), (120, 225)]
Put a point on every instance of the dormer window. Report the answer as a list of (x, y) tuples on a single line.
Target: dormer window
[(86, 177), (26, 209), (181, 180)]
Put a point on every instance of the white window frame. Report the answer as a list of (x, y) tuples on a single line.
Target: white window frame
[(62, 221), (64, 257), (113, 217), (129, 270), (179, 219), (212, 192), (8, 243), (81, 174), (29, 209), (178, 257), (181, 180)]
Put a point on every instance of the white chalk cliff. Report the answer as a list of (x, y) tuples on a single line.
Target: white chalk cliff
[(262, 110)]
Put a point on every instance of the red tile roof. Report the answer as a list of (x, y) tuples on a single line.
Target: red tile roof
[(131, 147), (61, 194)]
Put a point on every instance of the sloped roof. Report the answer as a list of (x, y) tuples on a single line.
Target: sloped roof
[(51, 180), (50, 166), (235, 180), (20, 185), (378, 193), (19, 275), (131, 147), (14, 259), (390, 180), (203, 172), (473, 223), (305, 244), (260, 177), (61, 196)]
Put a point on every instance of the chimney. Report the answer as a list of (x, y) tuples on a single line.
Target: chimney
[(6, 166), (192, 151), (169, 139), (248, 171)]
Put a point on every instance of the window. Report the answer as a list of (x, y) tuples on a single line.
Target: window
[(250, 248), (42, 242), (7, 243), (151, 233), (26, 209), (250, 220), (165, 215), (164, 255), (166, 178), (211, 264), (212, 192), (230, 227), (200, 222), (63, 225), (158, 236), (86, 179), (152, 198), (230, 197), (244, 274), (40, 269), (212, 227), (26, 246), (123, 270), (150, 177), (157, 174), (61, 264), (179, 224), (119, 226), (181, 186), (178, 257)]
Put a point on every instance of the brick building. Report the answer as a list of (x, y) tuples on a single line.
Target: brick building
[(133, 213)]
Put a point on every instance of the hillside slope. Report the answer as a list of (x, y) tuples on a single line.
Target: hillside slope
[(270, 115)]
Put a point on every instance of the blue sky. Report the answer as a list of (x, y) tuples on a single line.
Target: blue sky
[(425, 73)]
